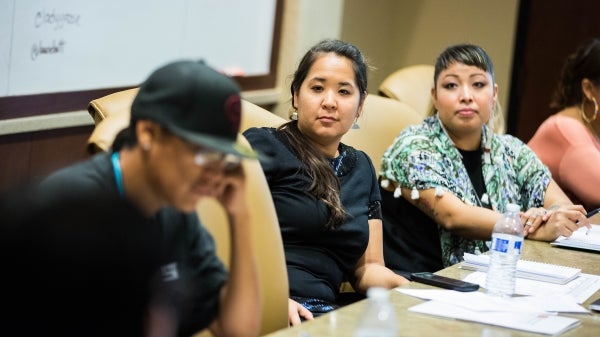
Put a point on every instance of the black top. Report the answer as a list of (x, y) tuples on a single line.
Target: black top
[(410, 238), (318, 259), (474, 166), (99, 243)]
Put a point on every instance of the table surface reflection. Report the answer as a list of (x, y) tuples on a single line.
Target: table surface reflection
[(341, 322)]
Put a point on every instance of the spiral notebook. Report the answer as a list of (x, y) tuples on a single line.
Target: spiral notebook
[(583, 238), (526, 269)]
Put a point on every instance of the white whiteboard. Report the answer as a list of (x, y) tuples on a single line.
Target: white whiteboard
[(49, 46)]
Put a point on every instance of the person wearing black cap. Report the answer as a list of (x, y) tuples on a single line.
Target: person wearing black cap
[(181, 146)]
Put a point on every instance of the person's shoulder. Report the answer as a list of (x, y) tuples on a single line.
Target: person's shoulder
[(88, 174), (572, 130), (560, 124), (263, 131), (423, 132), (428, 125), (421, 135), (360, 155), (509, 142)]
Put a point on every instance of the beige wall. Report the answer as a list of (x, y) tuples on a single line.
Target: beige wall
[(398, 33), (305, 22)]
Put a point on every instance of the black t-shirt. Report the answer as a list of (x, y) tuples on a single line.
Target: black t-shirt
[(110, 261), (318, 259)]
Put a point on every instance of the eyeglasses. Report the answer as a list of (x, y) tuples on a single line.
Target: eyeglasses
[(208, 157), (227, 161)]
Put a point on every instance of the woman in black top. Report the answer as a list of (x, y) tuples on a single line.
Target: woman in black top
[(325, 192)]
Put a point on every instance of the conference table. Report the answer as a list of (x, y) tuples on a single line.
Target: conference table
[(341, 322)]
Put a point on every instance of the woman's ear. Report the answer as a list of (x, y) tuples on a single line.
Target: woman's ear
[(587, 87), (146, 132), (295, 100), (434, 98), (361, 105)]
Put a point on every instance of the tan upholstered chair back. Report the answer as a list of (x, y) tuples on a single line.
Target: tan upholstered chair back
[(382, 120), (411, 85), (267, 244), (116, 108), (117, 103), (111, 114)]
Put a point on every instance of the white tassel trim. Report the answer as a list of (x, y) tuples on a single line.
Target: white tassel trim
[(414, 194), (397, 192), (485, 199), (385, 183)]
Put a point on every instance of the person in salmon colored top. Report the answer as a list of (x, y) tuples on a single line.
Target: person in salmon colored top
[(568, 142)]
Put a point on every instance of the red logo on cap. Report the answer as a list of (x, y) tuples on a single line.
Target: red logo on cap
[(233, 107)]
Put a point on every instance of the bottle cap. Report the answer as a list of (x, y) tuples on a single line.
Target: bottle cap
[(513, 207), (377, 293)]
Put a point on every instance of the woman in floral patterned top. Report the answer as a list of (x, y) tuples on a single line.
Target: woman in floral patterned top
[(447, 181)]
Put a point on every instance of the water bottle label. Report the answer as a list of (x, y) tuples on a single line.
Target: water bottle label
[(518, 245), (506, 244)]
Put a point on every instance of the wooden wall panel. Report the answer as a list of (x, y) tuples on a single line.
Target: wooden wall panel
[(29, 156), (548, 30)]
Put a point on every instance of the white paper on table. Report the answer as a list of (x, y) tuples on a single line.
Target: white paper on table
[(539, 323), (554, 303), (482, 302), (580, 289), (582, 238)]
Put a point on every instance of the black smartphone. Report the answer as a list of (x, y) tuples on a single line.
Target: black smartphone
[(595, 306), (443, 282)]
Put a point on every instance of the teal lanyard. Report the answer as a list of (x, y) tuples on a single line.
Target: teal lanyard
[(118, 173)]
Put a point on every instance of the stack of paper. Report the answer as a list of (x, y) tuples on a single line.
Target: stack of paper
[(579, 289), (526, 269), (532, 314)]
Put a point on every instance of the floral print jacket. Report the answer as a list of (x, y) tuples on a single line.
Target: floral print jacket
[(424, 157)]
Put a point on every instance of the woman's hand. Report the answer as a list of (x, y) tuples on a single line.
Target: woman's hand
[(295, 311), (560, 221), (533, 218)]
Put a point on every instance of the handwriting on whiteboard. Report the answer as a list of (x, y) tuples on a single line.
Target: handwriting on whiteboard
[(55, 21)]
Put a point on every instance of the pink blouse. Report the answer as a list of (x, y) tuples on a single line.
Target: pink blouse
[(572, 154)]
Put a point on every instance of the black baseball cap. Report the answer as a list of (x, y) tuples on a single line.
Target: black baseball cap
[(196, 103)]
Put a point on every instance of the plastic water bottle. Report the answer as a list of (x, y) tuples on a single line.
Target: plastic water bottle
[(505, 251), (379, 316)]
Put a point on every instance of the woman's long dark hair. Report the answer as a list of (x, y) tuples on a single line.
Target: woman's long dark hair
[(583, 63), (324, 185)]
